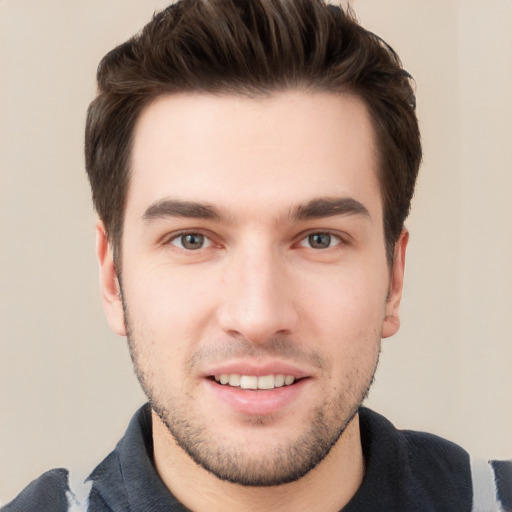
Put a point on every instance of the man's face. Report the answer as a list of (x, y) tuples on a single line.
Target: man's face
[(254, 257)]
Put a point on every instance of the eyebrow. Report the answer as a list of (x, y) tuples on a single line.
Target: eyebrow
[(329, 207), (314, 209), (187, 209)]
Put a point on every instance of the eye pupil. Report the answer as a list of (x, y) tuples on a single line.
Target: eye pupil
[(192, 241), (320, 240)]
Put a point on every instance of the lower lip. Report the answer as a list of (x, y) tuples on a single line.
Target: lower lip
[(257, 402)]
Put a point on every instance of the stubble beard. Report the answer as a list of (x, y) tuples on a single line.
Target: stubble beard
[(285, 463), (281, 465)]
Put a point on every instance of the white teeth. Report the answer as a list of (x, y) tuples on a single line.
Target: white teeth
[(288, 380), (254, 382), (247, 382), (266, 382), (234, 380), (279, 381)]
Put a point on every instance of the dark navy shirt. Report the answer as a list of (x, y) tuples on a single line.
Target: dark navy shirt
[(404, 472)]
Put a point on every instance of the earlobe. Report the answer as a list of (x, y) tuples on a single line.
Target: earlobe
[(109, 284), (392, 315)]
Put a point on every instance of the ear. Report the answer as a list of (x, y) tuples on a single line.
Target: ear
[(396, 283), (109, 284)]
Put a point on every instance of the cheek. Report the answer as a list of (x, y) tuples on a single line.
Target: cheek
[(350, 302), (345, 319), (168, 306)]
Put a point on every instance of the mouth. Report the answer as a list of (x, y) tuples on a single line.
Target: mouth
[(254, 382), (257, 391)]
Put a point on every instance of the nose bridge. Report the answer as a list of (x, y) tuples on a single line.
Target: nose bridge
[(257, 303)]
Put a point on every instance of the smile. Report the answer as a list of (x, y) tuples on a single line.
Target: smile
[(255, 382)]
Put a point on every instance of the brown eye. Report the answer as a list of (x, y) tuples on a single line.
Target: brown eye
[(191, 241)]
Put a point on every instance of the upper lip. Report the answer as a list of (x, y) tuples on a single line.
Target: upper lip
[(257, 369)]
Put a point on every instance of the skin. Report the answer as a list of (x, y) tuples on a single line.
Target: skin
[(259, 294)]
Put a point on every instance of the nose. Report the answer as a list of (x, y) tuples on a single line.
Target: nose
[(258, 299)]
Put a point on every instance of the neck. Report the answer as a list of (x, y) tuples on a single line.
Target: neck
[(328, 487)]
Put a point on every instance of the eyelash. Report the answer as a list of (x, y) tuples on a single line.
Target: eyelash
[(209, 242), (332, 237), (182, 234)]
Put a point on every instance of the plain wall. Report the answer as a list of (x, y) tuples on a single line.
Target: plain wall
[(66, 384)]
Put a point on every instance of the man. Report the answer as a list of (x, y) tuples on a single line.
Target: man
[(252, 165)]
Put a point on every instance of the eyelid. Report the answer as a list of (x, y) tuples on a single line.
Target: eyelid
[(341, 239), (170, 238)]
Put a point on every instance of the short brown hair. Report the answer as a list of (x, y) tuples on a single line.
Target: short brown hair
[(251, 47)]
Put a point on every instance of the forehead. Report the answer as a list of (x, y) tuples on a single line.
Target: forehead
[(280, 149)]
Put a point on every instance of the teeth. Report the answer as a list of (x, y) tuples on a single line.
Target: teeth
[(234, 380), (266, 382), (254, 382), (247, 382), (279, 381), (288, 380)]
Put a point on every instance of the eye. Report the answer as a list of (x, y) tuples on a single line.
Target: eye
[(191, 241), (320, 240)]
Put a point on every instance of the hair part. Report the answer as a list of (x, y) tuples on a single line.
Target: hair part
[(251, 48)]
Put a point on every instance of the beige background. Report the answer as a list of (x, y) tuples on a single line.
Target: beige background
[(66, 385)]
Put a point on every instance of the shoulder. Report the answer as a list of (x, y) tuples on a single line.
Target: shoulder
[(435, 459), (426, 469), (52, 492), (48, 492), (420, 454), (105, 489), (428, 453), (492, 484)]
